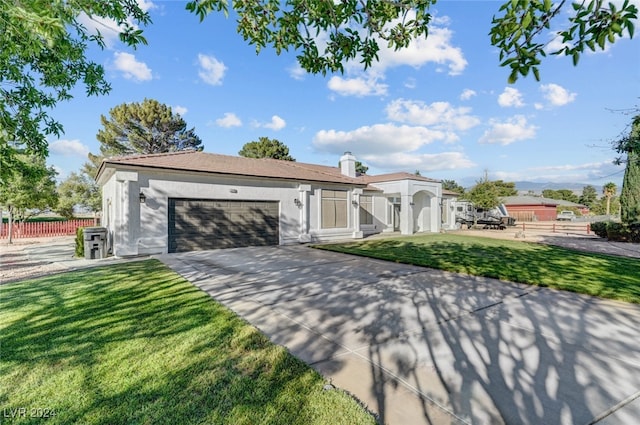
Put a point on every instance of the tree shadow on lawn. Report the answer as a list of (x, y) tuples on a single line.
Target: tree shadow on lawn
[(135, 343), (600, 275)]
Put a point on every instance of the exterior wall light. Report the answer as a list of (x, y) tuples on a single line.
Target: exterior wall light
[(355, 203), (297, 202), (143, 198)]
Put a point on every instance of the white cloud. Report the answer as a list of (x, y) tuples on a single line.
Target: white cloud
[(411, 83), (467, 94), (108, 28), (555, 43), (180, 110), (68, 148), (440, 115), (358, 87), (436, 48), (510, 97), (229, 120), (566, 173), (509, 131), (557, 95), (211, 69), (146, 5), (275, 124), (297, 72), (377, 139), (594, 173), (571, 167), (131, 68), (423, 162)]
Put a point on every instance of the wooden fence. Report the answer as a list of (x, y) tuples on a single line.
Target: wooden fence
[(556, 227), (45, 228)]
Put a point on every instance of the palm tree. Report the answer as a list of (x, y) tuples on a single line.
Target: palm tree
[(609, 190)]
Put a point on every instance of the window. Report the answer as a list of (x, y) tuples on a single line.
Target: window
[(366, 209), (334, 209)]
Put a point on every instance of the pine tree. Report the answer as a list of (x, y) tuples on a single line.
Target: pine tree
[(146, 127), (141, 128), (630, 194), (265, 147)]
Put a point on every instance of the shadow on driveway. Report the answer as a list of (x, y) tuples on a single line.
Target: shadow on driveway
[(423, 346)]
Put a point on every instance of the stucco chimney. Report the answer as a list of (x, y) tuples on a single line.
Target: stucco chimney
[(348, 164)]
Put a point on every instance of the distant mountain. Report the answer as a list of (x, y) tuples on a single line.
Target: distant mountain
[(537, 187)]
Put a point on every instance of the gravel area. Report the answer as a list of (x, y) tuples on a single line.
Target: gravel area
[(33, 257)]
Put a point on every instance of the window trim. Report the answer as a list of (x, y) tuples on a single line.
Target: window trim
[(340, 213), (366, 200)]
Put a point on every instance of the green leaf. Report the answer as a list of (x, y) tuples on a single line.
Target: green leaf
[(536, 73)]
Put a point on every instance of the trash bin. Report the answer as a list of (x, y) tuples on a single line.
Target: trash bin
[(95, 242)]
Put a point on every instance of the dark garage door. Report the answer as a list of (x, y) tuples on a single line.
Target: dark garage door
[(198, 224)]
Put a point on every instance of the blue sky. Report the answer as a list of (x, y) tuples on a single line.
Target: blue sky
[(443, 106)]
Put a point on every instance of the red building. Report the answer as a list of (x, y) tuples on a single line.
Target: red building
[(531, 208)]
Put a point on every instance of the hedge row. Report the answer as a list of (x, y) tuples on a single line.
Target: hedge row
[(615, 231)]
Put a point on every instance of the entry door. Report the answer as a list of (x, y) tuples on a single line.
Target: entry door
[(396, 217)]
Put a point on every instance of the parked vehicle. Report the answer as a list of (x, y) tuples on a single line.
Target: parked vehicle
[(566, 216), (494, 218)]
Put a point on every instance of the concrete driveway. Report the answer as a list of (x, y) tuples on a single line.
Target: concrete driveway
[(422, 346)]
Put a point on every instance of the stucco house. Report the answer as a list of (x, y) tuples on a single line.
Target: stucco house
[(189, 200)]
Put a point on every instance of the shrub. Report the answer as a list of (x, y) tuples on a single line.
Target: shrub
[(600, 228), (617, 231), (634, 232), (80, 242)]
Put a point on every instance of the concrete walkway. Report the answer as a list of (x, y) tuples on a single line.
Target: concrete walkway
[(422, 346)]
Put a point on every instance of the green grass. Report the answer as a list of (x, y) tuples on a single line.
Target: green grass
[(136, 344), (536, 264)]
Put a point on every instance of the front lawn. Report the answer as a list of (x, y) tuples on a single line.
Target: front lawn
[(135, 343), (593, 274)]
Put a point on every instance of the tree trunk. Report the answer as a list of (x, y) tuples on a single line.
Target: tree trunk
[(10, 224), (608, 204)]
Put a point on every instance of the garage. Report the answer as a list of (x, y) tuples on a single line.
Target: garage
[(200, 224)]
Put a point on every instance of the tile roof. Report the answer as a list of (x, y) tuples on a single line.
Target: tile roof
[(396, 176), (197, 161), (236, 165), (528, 200)]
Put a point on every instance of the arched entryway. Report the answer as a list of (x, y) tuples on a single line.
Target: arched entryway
[(423, 212)]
